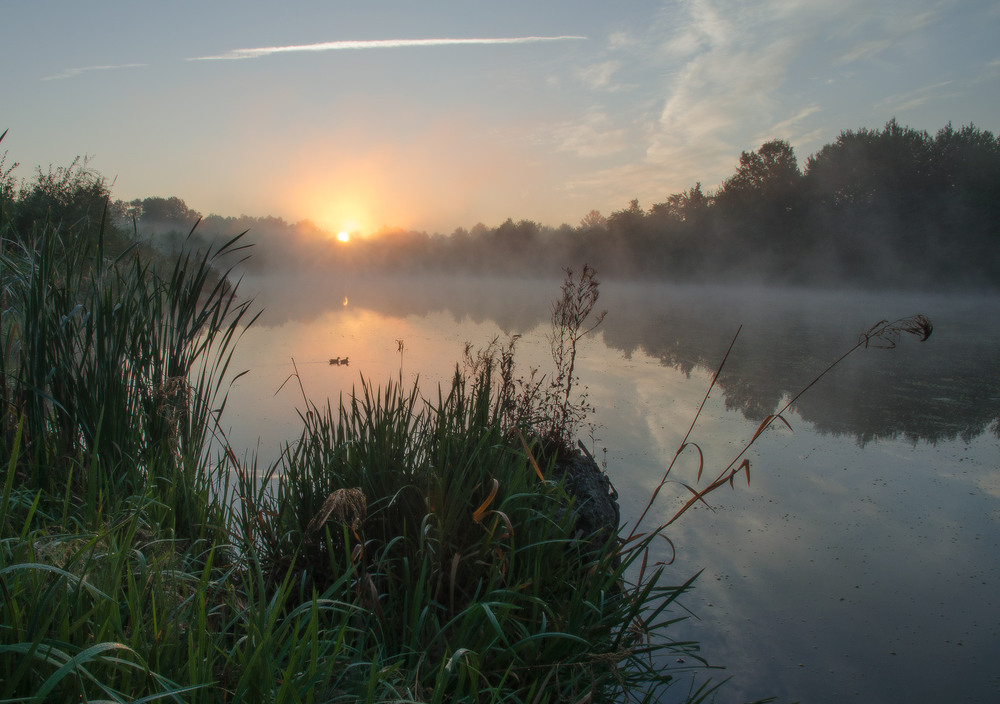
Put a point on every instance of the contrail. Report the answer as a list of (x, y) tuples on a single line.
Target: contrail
[(70, 72), (374, 44)]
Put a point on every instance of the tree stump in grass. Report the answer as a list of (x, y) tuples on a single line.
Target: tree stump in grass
[(595, 501)]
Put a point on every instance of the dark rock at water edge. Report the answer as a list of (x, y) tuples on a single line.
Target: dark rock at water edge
[(595, 501)]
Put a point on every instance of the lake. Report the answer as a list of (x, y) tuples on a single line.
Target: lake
[(862, 561)]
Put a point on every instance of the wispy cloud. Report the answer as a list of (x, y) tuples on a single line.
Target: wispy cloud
[(598, 76), (597, 135), (72, 72), (905, 101), (789, 129), (375, 44)]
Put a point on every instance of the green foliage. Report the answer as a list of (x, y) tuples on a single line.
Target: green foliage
[(545, 407), (72, 200), (167, 211), (114, 370), (771, 171), (7, 183)]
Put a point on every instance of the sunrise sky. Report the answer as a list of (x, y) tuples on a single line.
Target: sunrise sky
[(435, 115)]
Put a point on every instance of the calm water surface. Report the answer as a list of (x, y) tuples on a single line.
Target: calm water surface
[(860, 564)]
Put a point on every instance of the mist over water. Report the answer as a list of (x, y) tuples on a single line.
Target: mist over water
[(946, 388)]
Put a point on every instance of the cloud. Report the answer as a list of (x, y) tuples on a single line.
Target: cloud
[(376, 44), (71, 72), (726, 87), (723, 67), (622, 40), (863, 50), (599, 76), (597, 135), (888, 31), (788, 129), (905, 101)]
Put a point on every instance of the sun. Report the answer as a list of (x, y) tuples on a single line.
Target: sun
[(343, 236)]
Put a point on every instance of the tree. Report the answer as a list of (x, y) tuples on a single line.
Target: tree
[(7, 185), (967, 162), (628, 220), (169, 211), (771, 172), (594, 221), (512, 244), (758, 215), (127, 213), (682, 207), (74, 199), (893, 165)]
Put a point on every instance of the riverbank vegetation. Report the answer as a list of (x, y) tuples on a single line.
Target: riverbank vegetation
[(402, 549), (890, 207)]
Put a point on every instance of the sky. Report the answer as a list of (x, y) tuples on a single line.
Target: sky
[(437, 115)]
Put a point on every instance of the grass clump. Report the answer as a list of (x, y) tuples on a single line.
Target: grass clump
[(464, 569)]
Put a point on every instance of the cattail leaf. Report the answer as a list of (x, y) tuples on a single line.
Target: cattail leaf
[(478, 514), (531, 457)]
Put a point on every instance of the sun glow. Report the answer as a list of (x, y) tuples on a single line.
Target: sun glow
[(343, 236)]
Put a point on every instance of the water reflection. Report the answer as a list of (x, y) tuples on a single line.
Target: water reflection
[(946, 388)]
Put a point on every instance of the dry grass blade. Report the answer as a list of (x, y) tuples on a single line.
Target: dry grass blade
[(673, 551), (455, 560), (882, 334), (698, 495), (478, 514), (531, 457), (349, 506), (483, 511), (701, 456), (765, 424), (509, 527), (745, 466)]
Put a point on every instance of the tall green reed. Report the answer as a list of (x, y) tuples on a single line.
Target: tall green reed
[(117, 369), (113, 540)]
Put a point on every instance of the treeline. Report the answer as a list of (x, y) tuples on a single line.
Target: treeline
[(894, 207)]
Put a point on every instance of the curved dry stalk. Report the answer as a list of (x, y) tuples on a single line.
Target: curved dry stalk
[(881, 335), (684, 441)]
